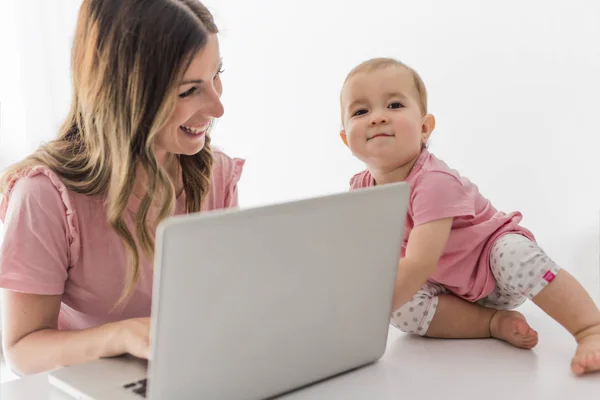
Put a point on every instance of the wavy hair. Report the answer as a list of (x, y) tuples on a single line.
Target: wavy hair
[(127, 60)]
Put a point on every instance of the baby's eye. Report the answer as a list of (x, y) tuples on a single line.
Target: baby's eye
[(362, 111), (395, 105)]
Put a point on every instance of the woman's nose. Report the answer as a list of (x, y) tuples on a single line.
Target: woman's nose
[(215, 106)]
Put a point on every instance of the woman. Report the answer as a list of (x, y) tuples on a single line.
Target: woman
[(80, 213)]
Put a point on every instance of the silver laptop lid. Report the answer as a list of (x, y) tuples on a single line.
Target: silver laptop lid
[(249, 304)]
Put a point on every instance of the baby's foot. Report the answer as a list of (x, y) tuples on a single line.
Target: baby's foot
[(512, 327), (587, 356)]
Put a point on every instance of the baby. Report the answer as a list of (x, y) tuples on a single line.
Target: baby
[(464, 264)]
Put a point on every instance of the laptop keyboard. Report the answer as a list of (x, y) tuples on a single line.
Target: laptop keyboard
[(138, 387)]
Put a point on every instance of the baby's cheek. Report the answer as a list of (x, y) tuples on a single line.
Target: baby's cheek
[(409, 131), (356, 148), (356, 139)]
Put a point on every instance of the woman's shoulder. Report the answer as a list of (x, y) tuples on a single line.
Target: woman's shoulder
[(226, 170), (36, 198), (35, 182), (225, 175)]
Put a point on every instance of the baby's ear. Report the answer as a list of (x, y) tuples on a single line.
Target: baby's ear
[(428, 125), (344, 137)]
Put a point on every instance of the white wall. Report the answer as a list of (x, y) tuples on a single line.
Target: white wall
[(513, 85), (35, 45)]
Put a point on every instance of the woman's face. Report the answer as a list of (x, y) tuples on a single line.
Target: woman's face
[(198, 103)]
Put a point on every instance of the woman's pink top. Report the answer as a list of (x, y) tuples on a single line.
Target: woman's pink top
[(58, 242)]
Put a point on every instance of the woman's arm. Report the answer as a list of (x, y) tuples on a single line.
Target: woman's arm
[(33, 344), (426, 244)]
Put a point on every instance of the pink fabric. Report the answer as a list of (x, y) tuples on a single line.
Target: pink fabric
[(440, 192), (59, 242)]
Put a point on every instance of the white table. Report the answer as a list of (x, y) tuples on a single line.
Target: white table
[(427, 368)]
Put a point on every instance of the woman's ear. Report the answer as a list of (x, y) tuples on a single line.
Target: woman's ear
[(344, 137)]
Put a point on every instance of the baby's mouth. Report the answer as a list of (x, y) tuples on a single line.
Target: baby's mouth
[(378, 135)]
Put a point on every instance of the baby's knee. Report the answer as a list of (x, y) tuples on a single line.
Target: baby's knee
[(521, 268), (415, 316)]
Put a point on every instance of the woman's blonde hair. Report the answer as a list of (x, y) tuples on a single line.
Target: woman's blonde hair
[(127, 60)]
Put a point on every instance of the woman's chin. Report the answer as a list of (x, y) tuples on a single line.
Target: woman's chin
[(191, 152), (191, 143)]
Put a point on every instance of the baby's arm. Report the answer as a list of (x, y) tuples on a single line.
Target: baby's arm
[(425, 246)]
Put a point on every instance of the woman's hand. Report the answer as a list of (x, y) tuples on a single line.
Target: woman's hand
[(33, 343), (133, 336)]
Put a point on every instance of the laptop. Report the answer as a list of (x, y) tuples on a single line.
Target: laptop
[(255, 303)]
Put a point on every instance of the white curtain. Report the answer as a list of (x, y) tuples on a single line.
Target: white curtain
[(35, 44), (35, 87)]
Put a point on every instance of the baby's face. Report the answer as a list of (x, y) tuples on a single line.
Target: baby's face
[(383, 122)]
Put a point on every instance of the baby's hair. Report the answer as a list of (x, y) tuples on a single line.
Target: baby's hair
[(375, 64)]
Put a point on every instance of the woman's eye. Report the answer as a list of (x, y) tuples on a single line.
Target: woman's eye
[(395, 105), (188, 92), (219, 73), (359, 112)]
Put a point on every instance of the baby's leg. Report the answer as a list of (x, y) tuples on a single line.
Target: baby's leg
[(565, 300), (416, 315), (456, 318), (557, 293), (435, 313)]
